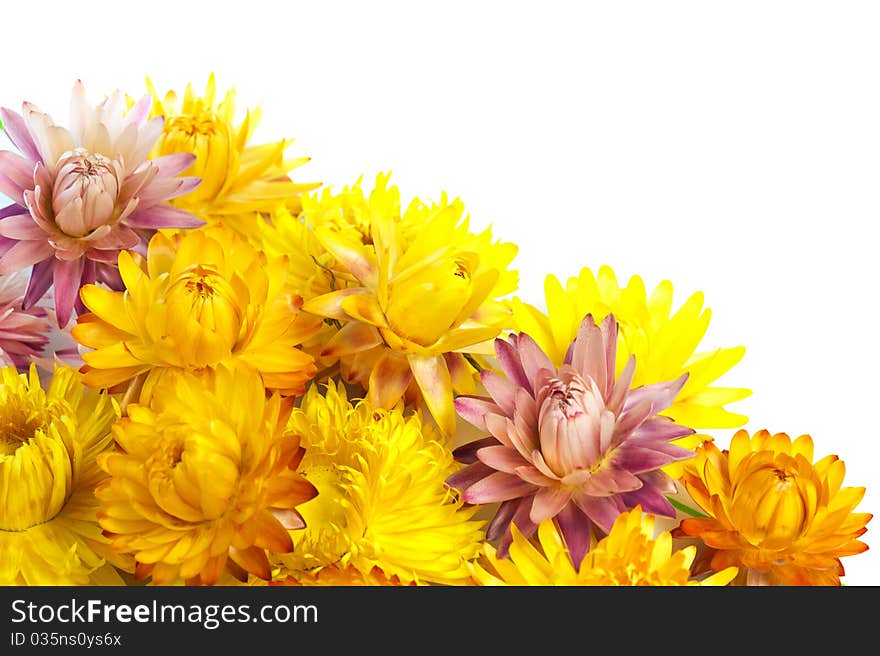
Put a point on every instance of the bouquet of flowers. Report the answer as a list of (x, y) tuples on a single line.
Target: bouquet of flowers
[(216, 374)]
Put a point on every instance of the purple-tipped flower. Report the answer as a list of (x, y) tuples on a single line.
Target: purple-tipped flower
[(569, 443), (81, 195), (23, 333)]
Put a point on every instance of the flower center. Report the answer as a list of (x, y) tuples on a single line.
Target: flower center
[(568, 397), (203, 295), (575, 429), (19, 421), (85, 191), (772, 503), (201, 288), (204, 124)]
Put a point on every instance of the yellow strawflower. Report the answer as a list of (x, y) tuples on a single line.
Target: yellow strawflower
[(664, 343), (204, 479), (629, 555), (339, 576), (414, 291), (382, 498), (201, 298), (772, 512), (238, 180), (49, 440)]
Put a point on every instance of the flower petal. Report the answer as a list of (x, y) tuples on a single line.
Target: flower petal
[(389, 379), (497, 487), (548, 502), (163, 216), (15, 128), (24, 254), (67, 281), (474, 409), (434, 381), (330, 304)]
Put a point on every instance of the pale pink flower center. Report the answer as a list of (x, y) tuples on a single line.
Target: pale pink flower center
[(89, 181), (573, 423)]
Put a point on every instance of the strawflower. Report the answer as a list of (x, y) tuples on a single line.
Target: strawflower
[(773, 512), (200, 299), (665, 343), (412, 304), (23, 333), (82, 194), (204, 481), (573, 442), (339, 576), (629, 555), (382, 498), (49, 442), (240, 180)]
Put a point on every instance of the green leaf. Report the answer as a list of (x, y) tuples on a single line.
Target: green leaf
[(686, 509)]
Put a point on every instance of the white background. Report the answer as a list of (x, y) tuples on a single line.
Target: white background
[(731, 147)]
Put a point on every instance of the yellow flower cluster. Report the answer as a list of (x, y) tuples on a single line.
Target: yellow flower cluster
[(277, 396)]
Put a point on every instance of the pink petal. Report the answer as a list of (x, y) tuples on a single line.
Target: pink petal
[(548, 502), (525, 415), (163, 216), (661, 395), (502, 458), (149, 133), (39, 282), (109, 275), (651, 501), (467, 476), (508, 358), (531, 474), (617, 398), (136, 181), (497, 425), (467, 453), (637, 459), (532, 357), (109, 257), (474, 409), (170, 165), (13, 210), (632, 417), (68, 279), (576, 529), (500, 522), (118, 238), (22, 228), (497, 487), (525, 525), (588, 355), (19, 169), (610, 330), (658, 429), (542, 466), (11, 190), (164, 189), (601, 510), (501, 390), (24, 254), (139, 112), (16, 130), (609, 481)]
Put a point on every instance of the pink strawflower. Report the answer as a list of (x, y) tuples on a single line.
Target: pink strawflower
[(23, 333), (80, 195), (569, 443)]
